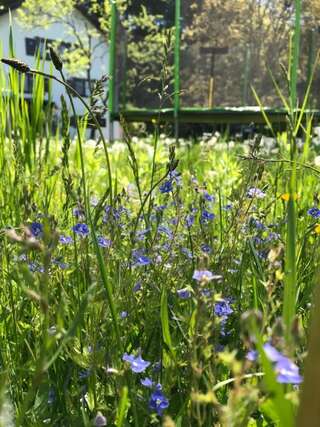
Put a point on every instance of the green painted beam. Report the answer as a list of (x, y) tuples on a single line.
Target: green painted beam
[(112, 58), (177, 58), (208, 116), (295, 54)]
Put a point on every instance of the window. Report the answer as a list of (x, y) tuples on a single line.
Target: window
[(30, 46), (38, 44), (80, 85), (28, 84)]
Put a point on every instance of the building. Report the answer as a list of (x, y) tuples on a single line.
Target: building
[(27, 42)]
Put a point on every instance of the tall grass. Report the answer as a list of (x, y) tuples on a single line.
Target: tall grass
[(194, 256)]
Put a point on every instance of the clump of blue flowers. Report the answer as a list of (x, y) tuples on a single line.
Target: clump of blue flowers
[(286, 370), (158, 401), (137, 364), (314, 212), (81, 229)]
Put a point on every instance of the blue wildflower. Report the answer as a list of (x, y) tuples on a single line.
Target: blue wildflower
[(160, 208), (187, 253), (287, 371), (137, 364), (137, 287), (206, 293), (147, 382), (189, 220), (141, 260), (100, 420), (65, 240), (314, 212), (60, 264), (183, 293), (36, 229), (123, 314), (222, 308), (35, 267), (81, 229), (206, 248), (142, 233), (207, 216), (205, 276), (208, 197), (252, 355), (255, 192), (165, 230), (227, 207), (78, 212), (166, 187), (157, 367), (158, 401), (103, 242)]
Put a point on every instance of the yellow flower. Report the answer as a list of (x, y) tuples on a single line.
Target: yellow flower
[(317, 229), (286, 196)]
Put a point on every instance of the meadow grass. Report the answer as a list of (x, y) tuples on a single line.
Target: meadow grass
[(145, 283)]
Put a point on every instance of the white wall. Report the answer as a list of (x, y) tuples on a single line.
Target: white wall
[(56, 31)]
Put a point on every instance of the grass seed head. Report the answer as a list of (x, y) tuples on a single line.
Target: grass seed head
[(18, 65), (56, 60)]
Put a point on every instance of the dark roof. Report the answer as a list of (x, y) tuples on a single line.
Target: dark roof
[(5, 5)]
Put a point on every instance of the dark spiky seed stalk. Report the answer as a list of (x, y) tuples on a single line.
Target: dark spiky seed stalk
[(16, 64), (56, 60)]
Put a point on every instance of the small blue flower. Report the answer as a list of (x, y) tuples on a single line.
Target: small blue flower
[(272, 236), (165, 230), (255, 192), (147, 382), (183, 293), (257, 224), (137, 287), (81, 229), (60, 264), (35, 267), (227, 207), (206, 248), (205, 276), (103, 242), (187, 253), (65, 240), (158, 401), (157, 367), (166, 187), (287, 372), (160, 208), (36, 229), (137, 364), (207, 216), (252, 355), (78, 212), (142, 261), (123, 314), (189, 220), (314, 212), (208, 197), (100, 420), (222, 308)]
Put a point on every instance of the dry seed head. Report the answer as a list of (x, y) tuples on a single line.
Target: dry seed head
[(16, 64), (56, 60)]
